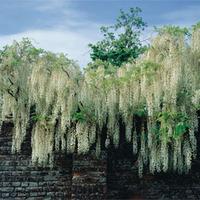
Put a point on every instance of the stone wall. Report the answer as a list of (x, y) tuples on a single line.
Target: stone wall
[(89, 177), (20, 180), (82, 177), (123, 183), (112, 176)]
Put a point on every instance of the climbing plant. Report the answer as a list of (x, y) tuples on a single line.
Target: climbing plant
[(155, 98)]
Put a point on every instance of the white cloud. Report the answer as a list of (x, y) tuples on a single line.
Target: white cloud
[(48, 5), (147, 35), (70, 35), (184, 17), (75, 44)]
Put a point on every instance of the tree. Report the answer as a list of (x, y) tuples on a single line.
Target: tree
[(121, 41)]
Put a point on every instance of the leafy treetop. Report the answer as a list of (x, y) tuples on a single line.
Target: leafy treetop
[(121, 41)]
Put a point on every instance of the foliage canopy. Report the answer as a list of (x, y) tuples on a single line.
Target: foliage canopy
[(156, 97), (121, 41)]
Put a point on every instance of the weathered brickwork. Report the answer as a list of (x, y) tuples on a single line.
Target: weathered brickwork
[(123, 183), (20, 180), (89, 177), (113, 176)]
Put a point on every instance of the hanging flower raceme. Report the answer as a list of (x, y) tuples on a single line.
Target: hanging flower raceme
[(16, 66), (54, 92), (154, 100)]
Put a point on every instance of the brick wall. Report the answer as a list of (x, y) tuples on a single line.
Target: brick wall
[(78, 177), (20, 180), (112, 176), (123, 182), (89, 177)]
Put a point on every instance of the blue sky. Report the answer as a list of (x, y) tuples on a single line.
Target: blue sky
[(69, 25)]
